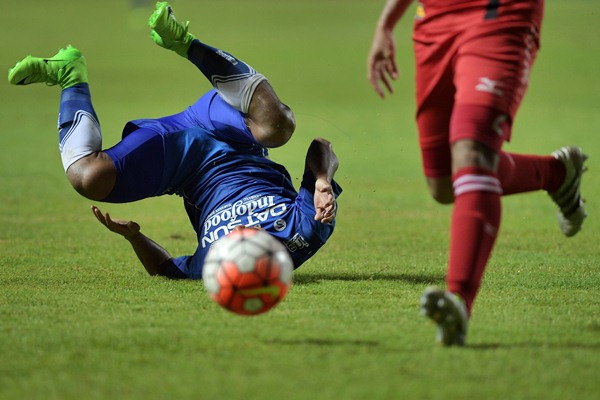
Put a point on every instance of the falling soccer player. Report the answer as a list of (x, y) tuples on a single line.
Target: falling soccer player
[(214, 155)]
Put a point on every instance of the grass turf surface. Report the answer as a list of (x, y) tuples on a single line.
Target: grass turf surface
[(80, 319)]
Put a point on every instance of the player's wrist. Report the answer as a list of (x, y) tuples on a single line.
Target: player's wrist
[(133, 236)]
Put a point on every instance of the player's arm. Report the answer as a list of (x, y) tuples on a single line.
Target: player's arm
[(322, 162), (153, 257), (381, 61)]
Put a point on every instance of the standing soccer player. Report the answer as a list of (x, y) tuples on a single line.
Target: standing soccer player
[(213, 154), (473, 60)]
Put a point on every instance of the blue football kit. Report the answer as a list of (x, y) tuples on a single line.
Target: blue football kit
[(207, 155)]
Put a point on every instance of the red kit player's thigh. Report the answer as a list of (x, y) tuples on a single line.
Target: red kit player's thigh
[(491, 76), (433, 121)]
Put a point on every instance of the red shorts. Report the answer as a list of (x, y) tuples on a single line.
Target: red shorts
[(472, 69)]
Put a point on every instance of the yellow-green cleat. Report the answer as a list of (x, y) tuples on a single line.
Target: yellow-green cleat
[(167, 32), (66, 68)]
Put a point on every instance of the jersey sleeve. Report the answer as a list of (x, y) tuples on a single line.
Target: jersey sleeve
[(191, 266), (225, 122), (310, 235)]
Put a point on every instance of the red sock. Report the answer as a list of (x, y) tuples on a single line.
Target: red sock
[(474, 226), (519, 173)]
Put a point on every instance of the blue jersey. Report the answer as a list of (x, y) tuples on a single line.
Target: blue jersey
[(211, 160)]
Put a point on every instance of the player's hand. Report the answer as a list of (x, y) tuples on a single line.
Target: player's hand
[(127, 229), (381, 63), (325, 204)]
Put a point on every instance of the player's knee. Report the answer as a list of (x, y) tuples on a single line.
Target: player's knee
[(441, 190), (468, 153), (279, 128), (93, 176), (443, 198)]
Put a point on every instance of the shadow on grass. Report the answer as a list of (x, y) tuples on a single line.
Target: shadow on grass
[(532, 345), (324, 342), (416, 279)]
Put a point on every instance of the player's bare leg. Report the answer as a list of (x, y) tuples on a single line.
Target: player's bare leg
[(270, 121), (441, 189), (475, 221), (89, 170), (522, 173), (465, 153), (93, 176)]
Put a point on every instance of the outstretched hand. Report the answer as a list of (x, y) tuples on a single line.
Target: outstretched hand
[(381, 63), (127, 229), (325, 204)]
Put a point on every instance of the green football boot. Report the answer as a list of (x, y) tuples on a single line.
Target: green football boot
[(167, 32), (66, 68)]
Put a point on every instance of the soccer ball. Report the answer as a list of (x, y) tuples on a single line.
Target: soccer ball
[(248, 271)]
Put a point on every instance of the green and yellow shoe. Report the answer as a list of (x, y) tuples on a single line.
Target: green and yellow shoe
[(167, 32), (66, 68)]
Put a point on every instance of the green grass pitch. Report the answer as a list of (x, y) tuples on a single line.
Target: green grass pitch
[(79, 319)]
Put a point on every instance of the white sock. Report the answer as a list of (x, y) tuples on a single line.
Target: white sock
[(82, 138), (237, 90)]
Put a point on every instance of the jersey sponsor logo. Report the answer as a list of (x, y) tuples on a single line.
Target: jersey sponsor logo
[(490, 86), (251, 211), (297, 242), (279, 225)]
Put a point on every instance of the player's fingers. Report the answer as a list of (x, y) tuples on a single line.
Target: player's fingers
[(109, 222), (387, 83), (329, 214), (326, 213), (98, 215), (332, 209), (375, 79), (318, 214), (391, 68)]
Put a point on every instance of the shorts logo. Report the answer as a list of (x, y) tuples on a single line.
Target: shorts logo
[(487, 85), (500, 124), (297, 242)]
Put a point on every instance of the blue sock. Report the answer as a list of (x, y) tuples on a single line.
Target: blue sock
[(73, 99), (215, 63), (234, 80)]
